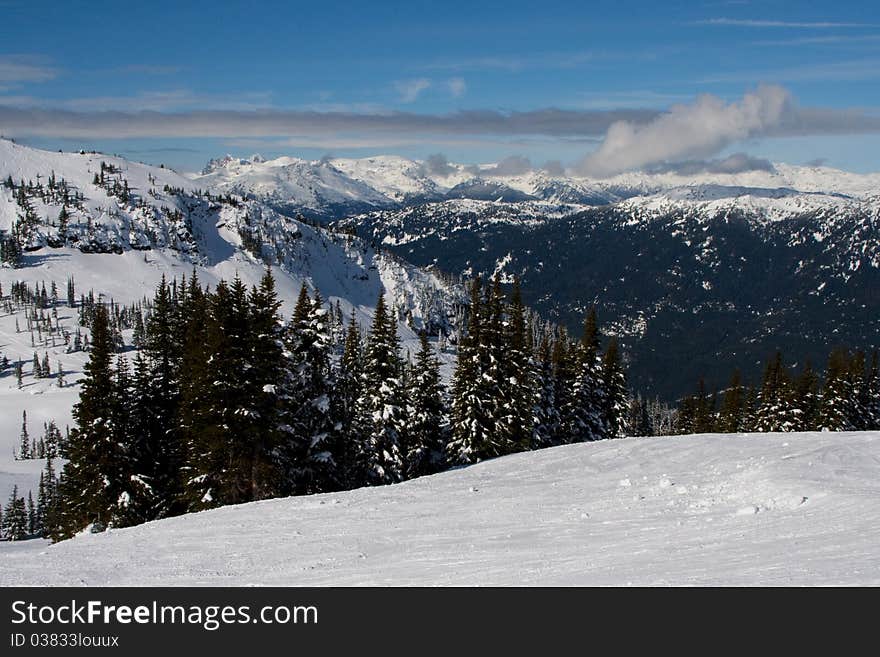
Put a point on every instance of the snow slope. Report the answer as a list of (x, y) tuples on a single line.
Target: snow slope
[(760, 509)]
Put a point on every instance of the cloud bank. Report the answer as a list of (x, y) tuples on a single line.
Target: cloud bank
[(631, 138), (688, 131), (735, 163)]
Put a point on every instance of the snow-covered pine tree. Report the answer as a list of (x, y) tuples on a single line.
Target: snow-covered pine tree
[(859, 401), (775, 411), (312, 441), (564, 360), (197, 438), (15, 518), (381, 415), (473, 426), (426, 426), (48, 505), (32, 519), (267, 378), (24, 441), (835, 407), (805, 398), (545, 414), (732, 414), (351, 472), (614, 404), (638, 419), (137, 500), (95, 476), (221, 458), (162, 352), (517, 377), (590, 408)]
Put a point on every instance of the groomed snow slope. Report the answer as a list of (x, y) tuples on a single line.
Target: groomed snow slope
[(765, 509)]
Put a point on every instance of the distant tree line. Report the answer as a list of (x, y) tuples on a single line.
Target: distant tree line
[(846, 397)]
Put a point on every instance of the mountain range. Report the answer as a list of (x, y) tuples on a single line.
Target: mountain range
[(697, 268)]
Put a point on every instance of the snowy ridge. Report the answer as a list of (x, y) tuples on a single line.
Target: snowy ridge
[(692, 510)]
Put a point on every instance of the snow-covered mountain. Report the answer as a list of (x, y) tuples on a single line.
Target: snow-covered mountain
[(693, 287), (116, 227), (691, 510), (332, 188)]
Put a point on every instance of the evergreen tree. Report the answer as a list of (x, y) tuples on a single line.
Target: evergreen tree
[(775, 411), (313, 439), (473, 427), (591, 409), (15, 521), (835, 408), (545, 413), (24, 441), (517, 377), (32, 519), (381, 417), (267, 378), (732, 415), (425, 426), (94, 480), (639, 420), (806, 398), (162, 352), (615, 399), (564, 359), (351, 469)]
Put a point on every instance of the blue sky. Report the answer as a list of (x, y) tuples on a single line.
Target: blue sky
[(163, 67)]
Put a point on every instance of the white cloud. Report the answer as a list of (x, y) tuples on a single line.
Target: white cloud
[(410, 90), (18, 69), (457, 87), (690, 131)]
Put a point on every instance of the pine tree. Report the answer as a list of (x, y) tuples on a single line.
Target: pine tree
[(859, 400), (545, 413), (564, 359), (473, 427), (805, 395), (638, 420), (267, 378), (835, 408), (32, 519), (351, 470), (517, 378), (381, 417), (24, 441), (15, 519), (732, 415), (93, 479), (615, 399), (425, 426), (775, 411), (313, 443), (590, 406), (159, 437)]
